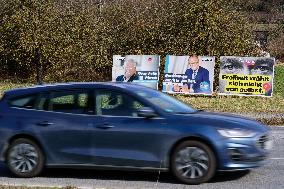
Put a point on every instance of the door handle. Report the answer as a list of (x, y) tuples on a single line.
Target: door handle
[(44, 123), (105, 126)]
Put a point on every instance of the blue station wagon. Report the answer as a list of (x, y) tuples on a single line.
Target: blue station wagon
[(123, 126)]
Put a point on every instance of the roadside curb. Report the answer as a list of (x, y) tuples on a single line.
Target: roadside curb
[(266, 118), (49, 186)]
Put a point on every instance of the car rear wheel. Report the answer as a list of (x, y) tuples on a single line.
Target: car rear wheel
[(193, 162), (25, 158)]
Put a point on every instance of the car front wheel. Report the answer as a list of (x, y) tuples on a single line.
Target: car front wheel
[(193, 162), (24, 158)]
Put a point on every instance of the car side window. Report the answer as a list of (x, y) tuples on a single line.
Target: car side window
[(24, 101), (113, 103), (67, 101)]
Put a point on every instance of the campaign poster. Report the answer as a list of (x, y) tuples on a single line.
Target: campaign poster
[(189, 74), (246, 76), (140, 69)]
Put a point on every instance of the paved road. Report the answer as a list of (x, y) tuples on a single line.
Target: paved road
[(269, 176)]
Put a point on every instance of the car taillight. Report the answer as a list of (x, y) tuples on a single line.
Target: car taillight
[(1, 98), (1, 95)]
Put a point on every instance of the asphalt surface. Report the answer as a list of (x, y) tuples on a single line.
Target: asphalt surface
[(269, 176)]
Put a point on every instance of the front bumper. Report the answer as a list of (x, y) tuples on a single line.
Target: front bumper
[(244, 153)]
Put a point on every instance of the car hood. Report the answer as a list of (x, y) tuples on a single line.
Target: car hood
[(224, 120)]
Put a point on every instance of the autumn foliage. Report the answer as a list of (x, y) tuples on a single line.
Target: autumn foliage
[(74, 40)]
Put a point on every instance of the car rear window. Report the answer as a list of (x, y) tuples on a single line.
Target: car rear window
[(23, 102), (69, 102)]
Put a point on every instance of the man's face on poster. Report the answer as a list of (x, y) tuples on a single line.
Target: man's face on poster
[(261, 66), (129, 68), (193, 63)]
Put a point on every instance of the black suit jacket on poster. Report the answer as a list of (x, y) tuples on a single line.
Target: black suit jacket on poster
[(133, 77)]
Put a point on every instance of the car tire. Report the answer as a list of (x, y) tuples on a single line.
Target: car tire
[(24, 158), (193, 162)]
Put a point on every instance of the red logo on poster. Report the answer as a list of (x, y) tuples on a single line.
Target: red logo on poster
[(266, 86), (249, 62)]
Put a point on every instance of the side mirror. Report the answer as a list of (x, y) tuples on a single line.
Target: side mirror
[(146, 112)]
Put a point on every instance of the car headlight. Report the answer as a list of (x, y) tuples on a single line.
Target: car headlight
[(235, 133)]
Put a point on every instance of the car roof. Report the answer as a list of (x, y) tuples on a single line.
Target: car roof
[(72, 85)]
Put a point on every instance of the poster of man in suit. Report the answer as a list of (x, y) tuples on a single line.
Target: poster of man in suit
[(139, 69), (189, 74)]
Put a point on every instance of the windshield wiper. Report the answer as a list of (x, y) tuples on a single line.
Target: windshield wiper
[(183, 112), (188, 112)]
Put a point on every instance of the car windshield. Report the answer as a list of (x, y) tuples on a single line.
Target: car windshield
[(165, 102)]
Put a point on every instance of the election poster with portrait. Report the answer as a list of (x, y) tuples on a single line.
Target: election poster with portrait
[(139, 69), (246, 76), (189, 74)]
